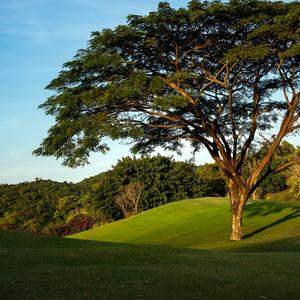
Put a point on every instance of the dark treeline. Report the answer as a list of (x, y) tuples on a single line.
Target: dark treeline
[(29, 206), (49, 207), (131, 186)]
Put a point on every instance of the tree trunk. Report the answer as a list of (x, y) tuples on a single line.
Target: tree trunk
[(254, 195), (236, 225), (238, 198)]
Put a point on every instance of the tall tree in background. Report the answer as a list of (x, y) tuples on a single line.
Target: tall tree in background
[(219, 75)]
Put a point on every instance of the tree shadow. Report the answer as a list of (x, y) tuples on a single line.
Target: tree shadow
[(266, 208), (290, 244)]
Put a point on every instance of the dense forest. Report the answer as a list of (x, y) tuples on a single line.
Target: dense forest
[(131, 186)]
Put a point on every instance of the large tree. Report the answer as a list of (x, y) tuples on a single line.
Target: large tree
[(220, 75)]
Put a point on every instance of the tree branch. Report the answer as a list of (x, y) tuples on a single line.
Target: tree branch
[(180, 91), (272, 171), (255, 113), (284, 129)]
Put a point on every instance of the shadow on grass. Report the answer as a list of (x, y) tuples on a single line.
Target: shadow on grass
[(290, 216), (291, 244), (266, 208)]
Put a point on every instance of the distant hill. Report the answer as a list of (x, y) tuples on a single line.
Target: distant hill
[(29, 206)]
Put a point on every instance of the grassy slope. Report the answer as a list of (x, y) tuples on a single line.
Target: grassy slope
[(33, 267), (205, 224)]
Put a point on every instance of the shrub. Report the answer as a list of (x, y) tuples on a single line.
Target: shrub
[(285, 195)]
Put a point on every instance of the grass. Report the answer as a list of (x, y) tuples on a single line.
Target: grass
[(266, 265), (205, 224), (34, 267)]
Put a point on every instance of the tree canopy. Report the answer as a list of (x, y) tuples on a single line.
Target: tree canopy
[(220, 75)]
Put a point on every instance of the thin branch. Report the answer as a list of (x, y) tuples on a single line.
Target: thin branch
[(271, 171), (268, 141), (293, 128), (213, 79), (166, 117), (177, 64), (284, 129), (197, 47), (233, 124), (255, 113), (283, 79), (180, 91), (164, 126)]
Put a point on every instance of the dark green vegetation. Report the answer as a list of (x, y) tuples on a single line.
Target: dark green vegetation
[(52, 208), (64, 208), (29, 206), (218, 75), (266, 265)]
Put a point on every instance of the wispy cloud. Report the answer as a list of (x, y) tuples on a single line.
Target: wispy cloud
[(39, 21), (12, 123), (42, 36)]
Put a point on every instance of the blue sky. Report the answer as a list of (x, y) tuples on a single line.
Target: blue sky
[(36, 38)]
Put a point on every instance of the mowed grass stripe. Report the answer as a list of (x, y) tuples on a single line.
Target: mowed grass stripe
[(205, 224)]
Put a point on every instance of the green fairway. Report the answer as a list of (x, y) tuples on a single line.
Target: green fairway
[(119, 264), (205, 224), (33, 267)]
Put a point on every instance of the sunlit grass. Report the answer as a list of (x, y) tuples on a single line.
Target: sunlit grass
[(205, 224)]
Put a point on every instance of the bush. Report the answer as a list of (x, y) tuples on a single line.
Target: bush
[(164, 181), (273, 184), (285, 195)]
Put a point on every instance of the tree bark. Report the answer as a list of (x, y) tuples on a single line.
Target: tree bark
[(238, 198), (236, 225)]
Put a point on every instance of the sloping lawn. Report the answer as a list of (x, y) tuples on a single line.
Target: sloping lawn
[(205, 224)]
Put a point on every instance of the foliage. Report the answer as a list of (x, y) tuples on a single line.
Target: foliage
[(208, 74), (164, 181), (77, 223), (273, 184), (277, 174), (29, 206), (294, 180), (154, 79), (286, 196), (215, 181), (53, 208)]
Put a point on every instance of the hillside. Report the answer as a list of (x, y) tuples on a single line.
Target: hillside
[(205, 224)]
